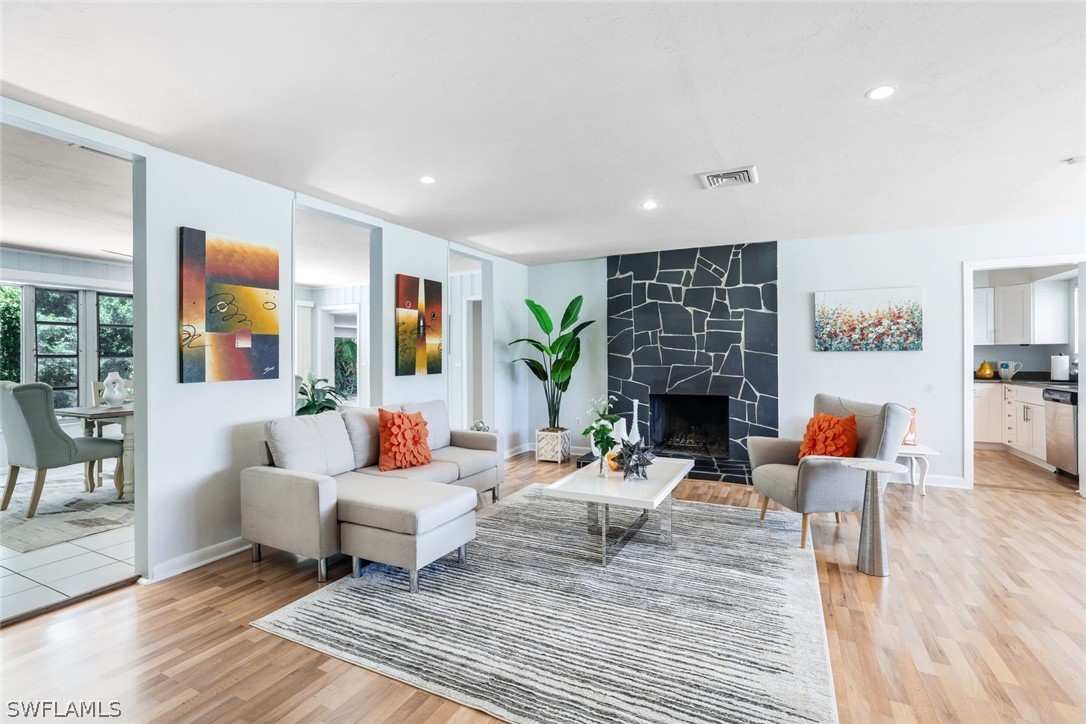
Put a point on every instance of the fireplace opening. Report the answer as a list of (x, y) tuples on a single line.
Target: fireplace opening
[(689, 424)]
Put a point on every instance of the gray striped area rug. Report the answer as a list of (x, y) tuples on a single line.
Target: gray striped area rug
[(723, 625)]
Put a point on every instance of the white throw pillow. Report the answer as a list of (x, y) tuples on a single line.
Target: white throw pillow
[(310, 443), (436, 415), (363, 430)]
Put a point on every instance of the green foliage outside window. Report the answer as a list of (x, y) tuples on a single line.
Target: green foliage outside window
[(346, 363), (11, 327)]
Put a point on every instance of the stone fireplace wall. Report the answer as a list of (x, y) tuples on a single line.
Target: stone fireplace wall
[(697, 321)]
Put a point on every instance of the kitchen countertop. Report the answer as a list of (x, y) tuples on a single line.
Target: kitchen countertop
[(1050, 384)]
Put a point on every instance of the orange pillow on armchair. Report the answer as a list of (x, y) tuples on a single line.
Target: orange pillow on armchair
[(403, 440), (829, 435)]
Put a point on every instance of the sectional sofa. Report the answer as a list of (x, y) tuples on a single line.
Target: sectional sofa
[(321, 492)]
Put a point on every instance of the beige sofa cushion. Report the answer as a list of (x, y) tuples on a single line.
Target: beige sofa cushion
[(411, 507), (470, 462), (310, 443), (437, 472), (362, 429), (436, 415)]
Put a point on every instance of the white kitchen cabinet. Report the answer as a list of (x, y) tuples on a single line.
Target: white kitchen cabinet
[(1035, 419), (984, 316), (1024, 420), (987, 412), (1036, 313)]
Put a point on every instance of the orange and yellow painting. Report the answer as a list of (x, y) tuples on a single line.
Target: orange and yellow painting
[(419, 347), (229, 309)]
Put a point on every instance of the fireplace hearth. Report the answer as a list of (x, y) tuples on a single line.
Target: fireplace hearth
[(689, 424)]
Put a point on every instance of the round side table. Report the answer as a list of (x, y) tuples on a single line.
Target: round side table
[(874, 558)]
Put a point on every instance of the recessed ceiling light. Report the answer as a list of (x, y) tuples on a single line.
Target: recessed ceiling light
[(428, 179), (881, 93), (649, 204)]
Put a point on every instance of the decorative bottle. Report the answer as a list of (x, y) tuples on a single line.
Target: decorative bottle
[(114, 392)]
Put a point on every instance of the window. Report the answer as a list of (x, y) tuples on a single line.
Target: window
[(114, 335), (11, 333), (56, 343)]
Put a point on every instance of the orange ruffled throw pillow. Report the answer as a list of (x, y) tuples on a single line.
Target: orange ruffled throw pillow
[(403, 440), (829, 435)]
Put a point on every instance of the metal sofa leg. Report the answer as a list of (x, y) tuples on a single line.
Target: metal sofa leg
[(414, 585), (462, 554), (256, 553), (356, 566), (497, 495), (322, 570)]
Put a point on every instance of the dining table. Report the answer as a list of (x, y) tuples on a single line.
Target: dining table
[(123, 416)]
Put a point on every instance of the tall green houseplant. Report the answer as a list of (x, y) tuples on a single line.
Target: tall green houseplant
[(559, 354)]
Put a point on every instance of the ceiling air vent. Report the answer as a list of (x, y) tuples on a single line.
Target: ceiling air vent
[(731, 177)]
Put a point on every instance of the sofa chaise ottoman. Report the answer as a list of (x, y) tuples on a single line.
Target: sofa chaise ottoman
[(320, 491)]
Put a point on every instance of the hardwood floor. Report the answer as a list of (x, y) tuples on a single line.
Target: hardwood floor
[(981, 620)]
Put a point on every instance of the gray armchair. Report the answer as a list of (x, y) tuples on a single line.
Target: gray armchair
[(36, 440), (822, 484)]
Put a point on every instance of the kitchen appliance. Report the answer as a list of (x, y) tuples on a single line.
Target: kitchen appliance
[(1008, 368), (1061, 368), (1061, 429)]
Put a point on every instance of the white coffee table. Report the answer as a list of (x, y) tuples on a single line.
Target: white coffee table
[(653, 493)]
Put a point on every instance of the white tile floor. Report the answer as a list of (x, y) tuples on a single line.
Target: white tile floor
[(50, 575)]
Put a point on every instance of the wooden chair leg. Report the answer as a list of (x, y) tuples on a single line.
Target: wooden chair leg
[(837, 517), (88, 472), (13, 472), (39, 483), (804, 529), (118, 477), (765, 505)]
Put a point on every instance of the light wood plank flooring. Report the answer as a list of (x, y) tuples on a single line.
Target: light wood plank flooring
[(981, 621)]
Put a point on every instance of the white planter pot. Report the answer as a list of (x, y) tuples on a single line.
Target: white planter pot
[(552, 445)]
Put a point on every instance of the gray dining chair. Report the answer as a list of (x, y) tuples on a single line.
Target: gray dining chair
[(822, 484), (35, 439)]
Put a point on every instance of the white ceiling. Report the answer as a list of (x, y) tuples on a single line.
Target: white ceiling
[(546, 125), (63, 199)]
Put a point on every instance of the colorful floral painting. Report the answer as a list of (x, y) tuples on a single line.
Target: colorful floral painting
[(870, 320)]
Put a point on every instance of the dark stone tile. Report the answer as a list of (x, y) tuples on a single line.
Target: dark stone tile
[(724, 325), (698, 298), (717, 341), (612, 266), (719, 255), (762, 431), (642, 266), (639, 296), (618, 325), (658, 292), (643, 339), (687, 278), (676, 319), (619, 285), (747, 393), (619, 304), (768, 412), (647, 356), (622, 405), (676, 356), (720, 310), (621, 343), (760, 263), (703, 359), (647, 317), (737, 408), (725, 385), (718, 363), (769, 296), (699, 319), (745, 298), (761, 371), (733, 361), (635, 390), (689, 380), (670, 276), (734, 277), (760, 331), (619, 365), (705, 278), (677, 341), (676, 293), (678, 258)]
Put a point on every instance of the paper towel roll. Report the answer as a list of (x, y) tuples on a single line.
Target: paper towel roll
[(1061, 367)]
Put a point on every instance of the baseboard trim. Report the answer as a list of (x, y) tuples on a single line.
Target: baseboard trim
[(934, 481), (518, 450), (1030, 459), (196, 559)]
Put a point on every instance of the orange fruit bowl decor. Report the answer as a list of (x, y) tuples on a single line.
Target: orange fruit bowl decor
[(612, 459)]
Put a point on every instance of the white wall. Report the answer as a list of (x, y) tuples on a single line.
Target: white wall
[(931, 380), (198, 437), (21, 266), (553, 286)]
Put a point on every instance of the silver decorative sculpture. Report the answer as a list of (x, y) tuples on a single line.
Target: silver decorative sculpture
[(480, 426), (633, 458)]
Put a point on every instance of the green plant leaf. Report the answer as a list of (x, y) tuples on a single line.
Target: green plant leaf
[(572, 312), (560, 343), (541, 317), (576, 331), (572, 353), (536, 367), (561, 371), (535, 343)]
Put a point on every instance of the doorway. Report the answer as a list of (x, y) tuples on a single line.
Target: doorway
[(467, 366)]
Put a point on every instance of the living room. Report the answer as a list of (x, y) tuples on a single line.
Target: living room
[(559, 149)]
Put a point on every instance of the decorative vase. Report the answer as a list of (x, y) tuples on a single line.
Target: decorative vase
[(113, 393), (635, 430), (985, 371), (552, 445), (602, 468)]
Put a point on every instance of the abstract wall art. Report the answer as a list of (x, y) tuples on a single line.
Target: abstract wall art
[(870, 320), (229, 309), (418, 326)]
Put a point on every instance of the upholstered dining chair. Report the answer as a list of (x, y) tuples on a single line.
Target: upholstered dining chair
[(35, 439), (819, 483)]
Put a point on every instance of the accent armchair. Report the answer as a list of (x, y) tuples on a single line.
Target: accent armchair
[(36, 440), (822, 484)]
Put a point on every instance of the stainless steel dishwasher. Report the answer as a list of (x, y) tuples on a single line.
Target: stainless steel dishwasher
[(1061, 429)]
